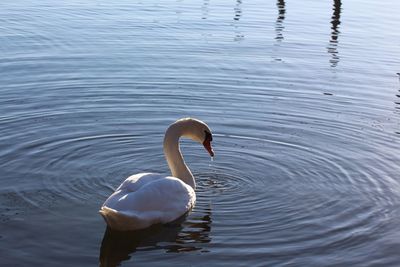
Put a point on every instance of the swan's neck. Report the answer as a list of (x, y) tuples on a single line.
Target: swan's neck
[(174, 157)]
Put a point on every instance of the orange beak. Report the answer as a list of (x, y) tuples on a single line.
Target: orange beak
[(207, 146)]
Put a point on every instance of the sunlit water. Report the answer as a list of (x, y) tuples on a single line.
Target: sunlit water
[(302, 97)]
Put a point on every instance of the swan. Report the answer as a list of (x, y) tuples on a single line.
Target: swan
[(145, 199)]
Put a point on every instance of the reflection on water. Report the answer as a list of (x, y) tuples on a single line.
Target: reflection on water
[(238, 14), (205, 9), (238, 10), (333, 42), (279, 25), (183, 235), (279, 21), (397, 102)]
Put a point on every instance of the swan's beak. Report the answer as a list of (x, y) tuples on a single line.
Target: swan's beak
[(207, 146)]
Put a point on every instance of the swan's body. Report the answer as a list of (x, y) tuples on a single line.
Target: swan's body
[(145, 199)]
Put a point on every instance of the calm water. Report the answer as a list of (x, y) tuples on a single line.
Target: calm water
[(302, 96)]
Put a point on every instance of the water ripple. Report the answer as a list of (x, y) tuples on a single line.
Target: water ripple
[(305, 120)]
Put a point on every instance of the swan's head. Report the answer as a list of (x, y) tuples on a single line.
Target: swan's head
[(198, 131)]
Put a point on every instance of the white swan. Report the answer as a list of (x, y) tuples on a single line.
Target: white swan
[(145, 199)]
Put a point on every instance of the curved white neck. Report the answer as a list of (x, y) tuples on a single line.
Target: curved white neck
[(174, 157)]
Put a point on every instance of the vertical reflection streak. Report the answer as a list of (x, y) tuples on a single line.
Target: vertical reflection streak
[(204, 9), (238, 14), (238, 10), (333, 42), (397, 103), (281, 5), (279, 21)]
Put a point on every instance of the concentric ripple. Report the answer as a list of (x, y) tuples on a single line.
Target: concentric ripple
[(308, 199)]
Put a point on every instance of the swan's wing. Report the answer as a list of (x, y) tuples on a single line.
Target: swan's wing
[(130, 185), (159, 201), (136, 181), (164, 195)]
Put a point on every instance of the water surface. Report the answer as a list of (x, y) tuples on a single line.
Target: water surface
[(302, 97)]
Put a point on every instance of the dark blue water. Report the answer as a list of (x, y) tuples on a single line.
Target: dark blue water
[(302, 97)]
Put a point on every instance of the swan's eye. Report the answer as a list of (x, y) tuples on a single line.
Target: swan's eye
[(208, 136)]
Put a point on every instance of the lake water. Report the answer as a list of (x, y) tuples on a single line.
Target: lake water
[(302, 96)]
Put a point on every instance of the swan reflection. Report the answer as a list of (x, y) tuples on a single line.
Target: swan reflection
[(182, 235)]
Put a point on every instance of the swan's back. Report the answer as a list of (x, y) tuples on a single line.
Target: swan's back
[(145, 199)]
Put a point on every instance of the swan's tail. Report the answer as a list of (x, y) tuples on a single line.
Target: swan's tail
[(117, 220)]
